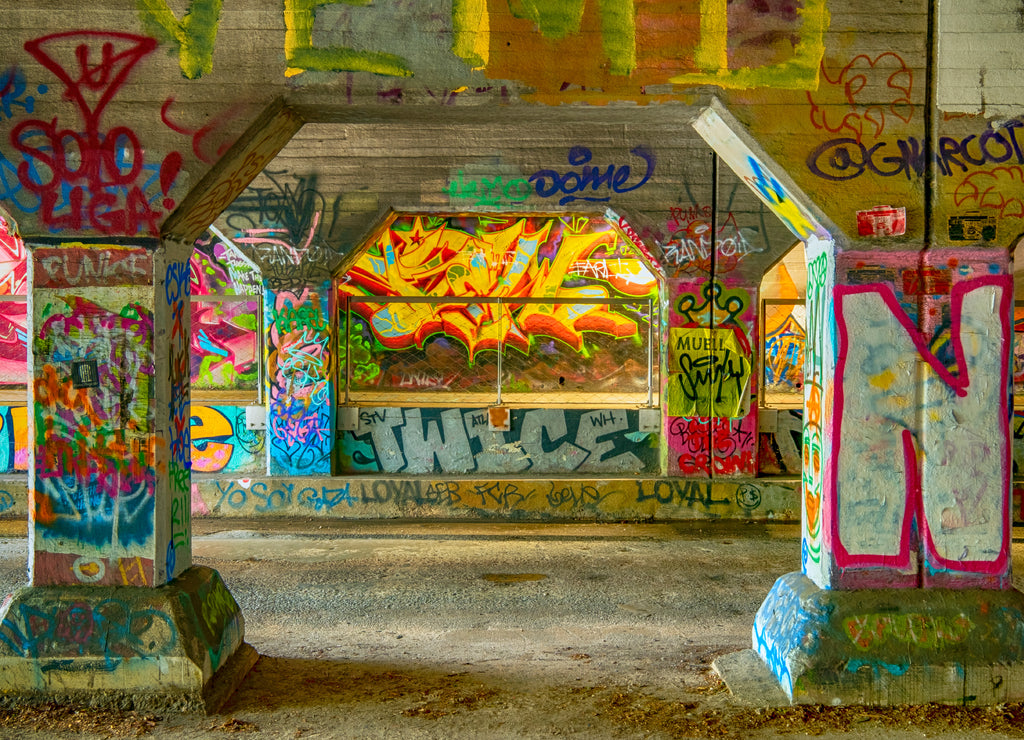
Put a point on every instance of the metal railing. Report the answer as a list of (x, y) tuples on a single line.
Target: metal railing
[(492, 351)]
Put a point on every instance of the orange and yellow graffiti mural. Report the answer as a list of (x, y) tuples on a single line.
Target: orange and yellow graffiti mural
[(441, 296)]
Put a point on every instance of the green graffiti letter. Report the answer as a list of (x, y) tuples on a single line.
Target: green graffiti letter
[(555, 19), (618, 35), (194, 35), (303, 56)]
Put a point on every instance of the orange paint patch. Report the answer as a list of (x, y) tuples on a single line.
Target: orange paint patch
[(42, 509)]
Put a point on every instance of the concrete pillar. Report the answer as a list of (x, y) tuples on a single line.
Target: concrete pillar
[(300, 379), (905, 594), (711, 393), (114, 611)]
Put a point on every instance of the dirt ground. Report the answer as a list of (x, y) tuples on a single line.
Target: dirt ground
[(418, 630), (294, 698)]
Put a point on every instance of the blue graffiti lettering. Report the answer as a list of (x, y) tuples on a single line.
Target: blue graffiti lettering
[(843, 159), (111, 628), (12, 92), (176, 283), (258, 498), (549, 183)]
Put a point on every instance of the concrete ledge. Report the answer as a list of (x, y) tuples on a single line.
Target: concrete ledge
[(892, 646), (775, 498), (166, 648), (541, 498)]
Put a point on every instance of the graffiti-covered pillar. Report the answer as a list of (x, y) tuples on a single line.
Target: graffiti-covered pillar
[(905, 593), (300, 383), (114, 609), (907, 443), (711, 424)]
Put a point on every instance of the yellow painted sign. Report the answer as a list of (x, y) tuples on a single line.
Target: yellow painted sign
[(709, 373)]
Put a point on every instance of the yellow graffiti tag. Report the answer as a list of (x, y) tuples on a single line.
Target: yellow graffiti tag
[(798, 72)]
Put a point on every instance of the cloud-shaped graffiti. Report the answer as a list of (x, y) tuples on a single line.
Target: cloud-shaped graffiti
[(863, 96), (997, 189)]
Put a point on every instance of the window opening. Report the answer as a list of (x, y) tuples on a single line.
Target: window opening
[(13, 316), (783, 331), (227, 323), (472, 309)]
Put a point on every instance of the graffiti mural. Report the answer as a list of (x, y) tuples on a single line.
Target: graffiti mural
[(227, 298), (231, 181), (709, 372), (300, 421), (568, 303), (13, 309), (949, 466), (818, 393), (784, 341), (114, 630), (581, 183), (534, 498), (83, 176), (13, 439), (704, 446), (13, 343), (224, 346), (222, 444), (555, 51), (219, 268), (781, 199), (13, 266), (847, 158), (288, 227), (193, 36), (566, 46), (430, 440), (711, 334), (690, 248), (176, 294), (850, 102), (95, 477), (213, 614)]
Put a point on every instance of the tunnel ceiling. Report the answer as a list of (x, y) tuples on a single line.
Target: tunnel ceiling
[(333, 182)]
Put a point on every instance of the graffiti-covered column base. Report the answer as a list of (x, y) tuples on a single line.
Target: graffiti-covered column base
[(892, 646), (177, 647)]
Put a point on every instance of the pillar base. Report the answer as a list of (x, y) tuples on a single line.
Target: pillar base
[(178, 647), (892, 646)]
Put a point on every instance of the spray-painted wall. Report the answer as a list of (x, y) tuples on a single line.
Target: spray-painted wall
[(918, 481), (833, 89), (459, 441), (113, 119), (95, 479)]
